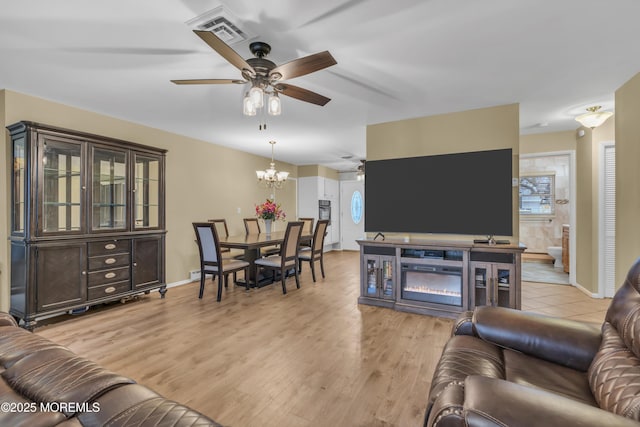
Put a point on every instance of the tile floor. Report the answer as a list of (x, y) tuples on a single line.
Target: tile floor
[(544, 272), (563, 301)]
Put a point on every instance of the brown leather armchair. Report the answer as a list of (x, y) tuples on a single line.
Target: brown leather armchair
[(505, 367)]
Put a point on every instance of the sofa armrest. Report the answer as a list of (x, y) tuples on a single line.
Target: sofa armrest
[(7, 320), (136, 405), (494, 402), (463, 324), (563, 341)]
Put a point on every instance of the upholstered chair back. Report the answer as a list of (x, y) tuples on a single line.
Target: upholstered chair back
[(614, 374), (207, 242)]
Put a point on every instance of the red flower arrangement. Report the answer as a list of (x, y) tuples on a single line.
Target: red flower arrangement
[(270, 210)]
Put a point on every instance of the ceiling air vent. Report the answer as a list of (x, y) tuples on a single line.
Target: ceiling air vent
[(222, 23)]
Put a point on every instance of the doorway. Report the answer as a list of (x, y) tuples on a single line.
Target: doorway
[(543, 231), (351, 214)]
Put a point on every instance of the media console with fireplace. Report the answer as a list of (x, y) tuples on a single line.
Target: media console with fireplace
[(441, 278)]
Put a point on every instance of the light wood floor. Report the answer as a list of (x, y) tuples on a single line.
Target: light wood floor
[(311, 358)]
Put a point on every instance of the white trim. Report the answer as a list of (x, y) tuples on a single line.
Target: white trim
[(180, 283), (587, 292), (572, 205), (601, 226)]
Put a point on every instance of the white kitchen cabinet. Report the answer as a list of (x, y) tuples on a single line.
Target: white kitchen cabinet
[(311, 189)]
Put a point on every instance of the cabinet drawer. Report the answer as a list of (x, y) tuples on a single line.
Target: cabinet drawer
[(108, 261), (108, 276), (108, 290), (109, 247)]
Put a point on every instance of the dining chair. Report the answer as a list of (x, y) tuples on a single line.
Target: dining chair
[(288, 258), (223, 230), (252, 226), (315, 252), (307, 229), (211, 261)]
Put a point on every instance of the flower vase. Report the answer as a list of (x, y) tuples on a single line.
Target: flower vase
[(267, 226)]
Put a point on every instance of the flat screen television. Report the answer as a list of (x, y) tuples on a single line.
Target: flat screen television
[(463, 193)]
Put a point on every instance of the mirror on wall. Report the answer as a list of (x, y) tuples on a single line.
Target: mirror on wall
[(537, 194)]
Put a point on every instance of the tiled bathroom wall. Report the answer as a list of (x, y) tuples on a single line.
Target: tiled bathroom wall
[(538, 233)]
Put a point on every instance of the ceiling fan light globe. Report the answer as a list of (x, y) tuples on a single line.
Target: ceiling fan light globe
[(274, 105), (247, 106), (256, 94)]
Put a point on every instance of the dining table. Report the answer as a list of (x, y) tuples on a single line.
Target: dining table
[(251, 245)]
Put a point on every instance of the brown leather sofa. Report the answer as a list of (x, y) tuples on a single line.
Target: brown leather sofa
[(505, 367), (43, 384)]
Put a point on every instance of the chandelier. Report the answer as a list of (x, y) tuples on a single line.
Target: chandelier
[(271, 178), (593, 118)]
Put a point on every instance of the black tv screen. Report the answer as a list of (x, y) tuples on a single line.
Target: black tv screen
[(465, 193)]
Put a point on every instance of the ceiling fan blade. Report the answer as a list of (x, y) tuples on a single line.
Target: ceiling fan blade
[(302, 94), (306, 65), (224, 50), (207, 81)]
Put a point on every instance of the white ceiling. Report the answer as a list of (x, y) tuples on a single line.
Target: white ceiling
[(396, 60)]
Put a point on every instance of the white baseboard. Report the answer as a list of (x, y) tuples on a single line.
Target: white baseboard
[(586, 291)]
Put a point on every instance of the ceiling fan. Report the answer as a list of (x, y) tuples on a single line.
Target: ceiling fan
[(264, 75)]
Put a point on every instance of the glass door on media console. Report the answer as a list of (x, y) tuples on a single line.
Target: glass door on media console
[(380, 273), (492, 284), (504, 278), (62, 184)]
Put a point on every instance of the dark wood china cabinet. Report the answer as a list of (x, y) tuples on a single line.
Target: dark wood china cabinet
[(87, 220)]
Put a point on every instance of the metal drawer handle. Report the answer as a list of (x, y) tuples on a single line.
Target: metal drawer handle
[(109, 260), (110, 275), (110, 290), (110, 246)]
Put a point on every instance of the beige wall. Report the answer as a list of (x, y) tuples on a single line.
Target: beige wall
[(203, 180), (548, 142), (627, 125), (318, 170), (475, 130), (586, 174)]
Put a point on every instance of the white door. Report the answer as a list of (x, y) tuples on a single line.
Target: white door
[(351, 214), (608, 221)]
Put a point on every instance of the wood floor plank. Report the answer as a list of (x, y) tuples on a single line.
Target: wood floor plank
[(313, 357)]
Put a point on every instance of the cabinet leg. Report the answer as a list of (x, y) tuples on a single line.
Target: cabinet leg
[(162, 290), (29, 324)]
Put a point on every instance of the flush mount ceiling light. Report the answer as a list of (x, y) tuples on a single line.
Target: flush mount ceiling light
[(593, 118), (270, 177)]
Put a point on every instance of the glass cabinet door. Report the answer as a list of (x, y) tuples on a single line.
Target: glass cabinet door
[(380, 277), (372, 277), (62, 186), (504, 278), (146, 192), (18, 183), (480, 275), (109, 189), (387, 278)]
